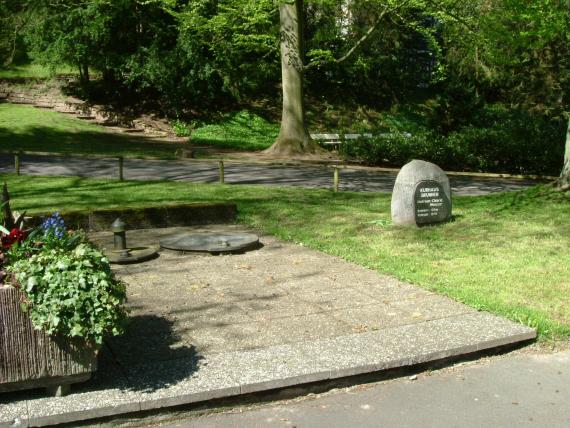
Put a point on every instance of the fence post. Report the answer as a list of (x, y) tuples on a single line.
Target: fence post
[(222, 178), (335, 179), (121, 164), (17, 163)]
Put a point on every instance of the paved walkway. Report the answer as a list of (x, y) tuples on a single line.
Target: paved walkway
[(310, 176), (521, 391), (205, 327)]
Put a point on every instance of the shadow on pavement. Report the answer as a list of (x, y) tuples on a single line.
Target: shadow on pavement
[(148, 342)]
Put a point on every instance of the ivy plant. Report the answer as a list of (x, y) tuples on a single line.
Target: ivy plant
[(72, 292)]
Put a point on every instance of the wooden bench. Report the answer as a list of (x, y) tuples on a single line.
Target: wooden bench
[(335, 140)]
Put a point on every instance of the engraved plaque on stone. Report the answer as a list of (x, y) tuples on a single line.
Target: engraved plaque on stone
[(431, 204), (410, 206)]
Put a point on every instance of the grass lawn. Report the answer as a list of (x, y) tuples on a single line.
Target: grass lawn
[(240, 131), (34, 71), (505, 253), (24, 127)]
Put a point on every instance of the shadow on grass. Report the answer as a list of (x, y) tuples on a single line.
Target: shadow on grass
[(538, 196), (41, 194), (81, 141)]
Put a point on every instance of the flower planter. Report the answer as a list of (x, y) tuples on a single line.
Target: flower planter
[(31, 359)]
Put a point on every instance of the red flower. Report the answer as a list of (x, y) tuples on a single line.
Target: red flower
[(16, 235)]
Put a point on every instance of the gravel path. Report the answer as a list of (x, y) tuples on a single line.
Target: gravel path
[(309, 176)]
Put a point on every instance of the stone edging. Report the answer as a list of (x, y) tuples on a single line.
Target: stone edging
[(238, 373), (153, 217)]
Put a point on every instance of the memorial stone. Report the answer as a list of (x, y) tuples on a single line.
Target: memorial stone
[(421, 196)]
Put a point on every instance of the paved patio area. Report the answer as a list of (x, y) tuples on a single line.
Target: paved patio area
[(205, 327)]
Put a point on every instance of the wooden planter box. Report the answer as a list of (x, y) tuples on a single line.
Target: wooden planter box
[(32, 359)]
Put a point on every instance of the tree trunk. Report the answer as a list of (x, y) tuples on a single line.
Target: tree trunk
[(109, 76), (293, 136), (10, 59), (564, 180), (83, 73)]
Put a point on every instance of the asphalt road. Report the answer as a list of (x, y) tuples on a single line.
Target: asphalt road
[(521, 391), (309, 176)]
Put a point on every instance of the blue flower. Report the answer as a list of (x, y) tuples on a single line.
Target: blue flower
[(54, 226)]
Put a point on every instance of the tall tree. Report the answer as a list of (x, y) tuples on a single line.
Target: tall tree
[(15, 16), (230, 47), (563, 181), (102, 35), (520, 50), (221, 36), (70, 32), (293, 136)]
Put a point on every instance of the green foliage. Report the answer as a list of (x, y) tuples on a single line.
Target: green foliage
[(229, 47), (72, 292), (396, 59), (181, 129), (498, 140), (15, 17), (243, 130), (113, 38), (22, 250), (35, 71), (516, 50), (453, 106), (174, 53), (26, 128)]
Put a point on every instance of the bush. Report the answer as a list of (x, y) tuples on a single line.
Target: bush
[(498, 141), (72, 293), (69, 287), (180, 128), (397, 149)]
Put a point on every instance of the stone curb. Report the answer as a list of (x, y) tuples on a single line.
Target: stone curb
[(244, 372), (150, 217)]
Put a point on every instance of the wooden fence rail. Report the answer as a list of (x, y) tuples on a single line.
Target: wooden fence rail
[(121, 162)]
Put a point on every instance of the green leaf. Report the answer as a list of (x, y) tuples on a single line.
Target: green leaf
[(76, 330), (72, 292), (32, 282)]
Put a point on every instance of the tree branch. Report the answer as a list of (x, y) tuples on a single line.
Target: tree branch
[(362, 39)]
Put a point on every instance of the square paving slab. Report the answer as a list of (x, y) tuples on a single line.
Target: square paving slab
[(205, 327)]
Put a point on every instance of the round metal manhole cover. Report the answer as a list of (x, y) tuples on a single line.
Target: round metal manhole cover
[(212, 242)]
